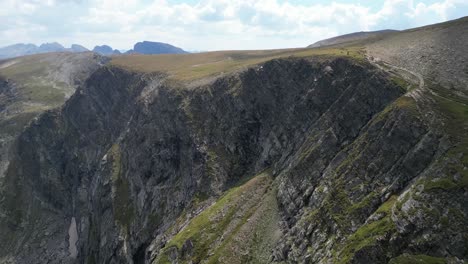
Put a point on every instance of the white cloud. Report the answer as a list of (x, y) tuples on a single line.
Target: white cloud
[(208, 24)]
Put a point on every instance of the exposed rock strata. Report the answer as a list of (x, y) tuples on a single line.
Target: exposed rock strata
[(129, 152)]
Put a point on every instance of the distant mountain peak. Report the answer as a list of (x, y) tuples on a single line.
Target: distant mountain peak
[(105, 50), (151, 47), (51, 47), (52, 44), (78, 48)]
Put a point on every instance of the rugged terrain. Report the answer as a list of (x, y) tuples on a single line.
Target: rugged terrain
[(340, 154), (33, 84)]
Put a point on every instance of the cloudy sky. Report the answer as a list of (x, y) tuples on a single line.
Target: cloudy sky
[(211, 24)]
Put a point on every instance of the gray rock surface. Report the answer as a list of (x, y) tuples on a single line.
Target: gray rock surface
[(133, 150), (363, 171), (438, 52)]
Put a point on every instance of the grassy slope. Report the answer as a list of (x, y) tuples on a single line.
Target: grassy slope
[(415, 259), (41, 82), (354, 38), (240, 227), (455, 110), (35, 92), (188, 67), (31, 74)]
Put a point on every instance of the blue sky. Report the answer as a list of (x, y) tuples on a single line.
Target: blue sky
[(211, 24)]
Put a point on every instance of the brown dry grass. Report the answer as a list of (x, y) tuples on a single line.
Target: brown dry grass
[(199, 65)]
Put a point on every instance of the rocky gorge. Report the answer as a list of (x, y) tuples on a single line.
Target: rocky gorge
[(315, 159)]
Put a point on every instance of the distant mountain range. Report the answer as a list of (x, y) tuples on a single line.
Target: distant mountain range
[(145, 47), (21, 49)]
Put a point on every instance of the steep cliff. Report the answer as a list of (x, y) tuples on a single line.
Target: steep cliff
[(33, 84), (322, 159)]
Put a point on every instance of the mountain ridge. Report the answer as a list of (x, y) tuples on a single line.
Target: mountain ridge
[(355, 36), (145, 47), (353, 153)]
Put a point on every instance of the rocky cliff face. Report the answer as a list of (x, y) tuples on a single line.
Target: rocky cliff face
[(294, 160), (33, 84)]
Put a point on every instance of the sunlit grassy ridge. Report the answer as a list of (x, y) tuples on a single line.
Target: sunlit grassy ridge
[(199, 65)]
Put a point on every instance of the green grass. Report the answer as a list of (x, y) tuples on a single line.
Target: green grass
[(35, 91), (455, 110), (405, 102), (256, 233), (124, 212), (203, 221), (188, 67), (402, 103), (336, 206), (225, 218), (402, 83), (457, 116), (386, 207), (364, 203), (44, 94), (25, 68), (115, 155), (221, 250), (31, 73), (415, 259), (445, 184), (368, 234)]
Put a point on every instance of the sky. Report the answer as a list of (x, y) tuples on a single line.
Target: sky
[(204, 25)]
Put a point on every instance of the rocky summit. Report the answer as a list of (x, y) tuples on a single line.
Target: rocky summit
[(355, 151)]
